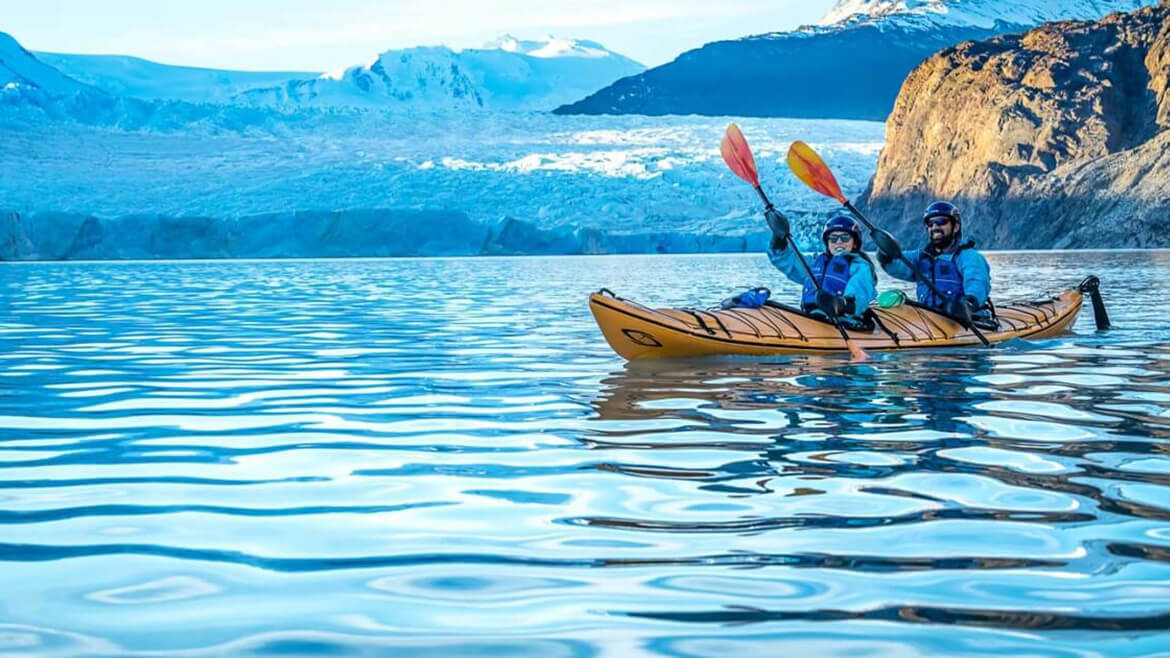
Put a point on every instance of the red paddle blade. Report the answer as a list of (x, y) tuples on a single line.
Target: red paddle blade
[(738, 155), (812, 171)]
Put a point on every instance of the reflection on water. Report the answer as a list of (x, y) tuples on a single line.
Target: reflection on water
[(443, 458)]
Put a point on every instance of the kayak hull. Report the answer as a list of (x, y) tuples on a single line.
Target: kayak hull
[(637, 332)]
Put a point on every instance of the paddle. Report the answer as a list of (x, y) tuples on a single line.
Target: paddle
[(738, 156), (813, 172)]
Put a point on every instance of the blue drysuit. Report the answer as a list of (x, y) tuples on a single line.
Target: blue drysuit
[(861, 286), (958, 271)]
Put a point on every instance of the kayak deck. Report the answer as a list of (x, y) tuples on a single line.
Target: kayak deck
[(638, 332)]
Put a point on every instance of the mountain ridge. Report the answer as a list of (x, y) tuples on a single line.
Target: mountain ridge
[(860, 61)]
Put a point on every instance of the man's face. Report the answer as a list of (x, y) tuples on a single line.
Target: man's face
[(840, 242), (940, 229)]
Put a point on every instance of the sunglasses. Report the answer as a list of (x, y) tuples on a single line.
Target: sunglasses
[(937, 221), (834, 238)]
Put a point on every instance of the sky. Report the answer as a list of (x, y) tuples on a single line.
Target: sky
[(325, 35)]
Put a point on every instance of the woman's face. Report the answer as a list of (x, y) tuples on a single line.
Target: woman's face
[(840, 242)]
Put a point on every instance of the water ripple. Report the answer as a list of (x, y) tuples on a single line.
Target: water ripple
[(289, 458)]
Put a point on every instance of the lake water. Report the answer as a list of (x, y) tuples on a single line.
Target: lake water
[(444, 458)]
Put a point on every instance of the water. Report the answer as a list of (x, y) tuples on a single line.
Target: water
[(442, 457)]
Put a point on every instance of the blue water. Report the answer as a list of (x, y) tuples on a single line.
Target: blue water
[(443, 458)]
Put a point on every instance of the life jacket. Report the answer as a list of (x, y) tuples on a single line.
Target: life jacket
[(943, 272), (832, 272)]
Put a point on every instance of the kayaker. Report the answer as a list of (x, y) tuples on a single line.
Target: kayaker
[(959, 272), (846, 274)]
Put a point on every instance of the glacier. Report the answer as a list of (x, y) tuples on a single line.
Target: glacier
[(539, 183), (86, 174)]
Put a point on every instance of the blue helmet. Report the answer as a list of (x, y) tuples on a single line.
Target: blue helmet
[(842, 222), (943, 209)]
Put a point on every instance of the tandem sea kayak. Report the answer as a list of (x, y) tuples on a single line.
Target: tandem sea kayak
[(638, 332)]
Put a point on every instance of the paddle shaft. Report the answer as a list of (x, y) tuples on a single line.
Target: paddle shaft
[(880, 236)]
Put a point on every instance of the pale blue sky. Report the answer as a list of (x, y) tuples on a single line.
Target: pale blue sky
[(329, 34)]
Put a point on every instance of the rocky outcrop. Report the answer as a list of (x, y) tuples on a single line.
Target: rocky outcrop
[(1057, 138)]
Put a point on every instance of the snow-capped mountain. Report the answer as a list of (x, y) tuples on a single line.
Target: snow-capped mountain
[(986, 14), (423, 78), (849, 66), (508, 74), (551, 47), (123, 75), (21, 71), (543, 74)]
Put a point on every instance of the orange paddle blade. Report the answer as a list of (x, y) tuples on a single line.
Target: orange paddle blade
[(812, 171), (857, 353), (738, 155)]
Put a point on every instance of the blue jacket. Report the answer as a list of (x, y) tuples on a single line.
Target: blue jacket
[(861, 285), (971, 264)]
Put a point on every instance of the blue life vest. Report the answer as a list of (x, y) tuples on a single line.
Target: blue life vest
[(944, 274), (832, 272)]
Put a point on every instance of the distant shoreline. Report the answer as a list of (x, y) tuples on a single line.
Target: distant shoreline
[(707, 254)]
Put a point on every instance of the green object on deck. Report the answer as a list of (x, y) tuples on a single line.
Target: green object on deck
[(891, 299)]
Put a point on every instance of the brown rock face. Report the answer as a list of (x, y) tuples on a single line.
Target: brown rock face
[(1057, 138)]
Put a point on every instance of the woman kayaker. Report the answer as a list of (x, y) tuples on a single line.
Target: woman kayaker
[(847, 277)]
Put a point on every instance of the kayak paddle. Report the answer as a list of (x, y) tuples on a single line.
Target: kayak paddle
[(738, 156), (811, 169)]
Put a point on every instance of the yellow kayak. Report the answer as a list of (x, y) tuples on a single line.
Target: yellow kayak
[(638, 332)]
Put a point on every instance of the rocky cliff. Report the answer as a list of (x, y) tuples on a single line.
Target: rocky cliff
[(1056, 138)]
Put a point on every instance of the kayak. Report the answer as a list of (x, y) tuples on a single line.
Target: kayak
[(638, 332)]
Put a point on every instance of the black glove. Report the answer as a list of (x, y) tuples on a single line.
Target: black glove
[(888, 249), (962, 307), (779, 225), (835, 305)]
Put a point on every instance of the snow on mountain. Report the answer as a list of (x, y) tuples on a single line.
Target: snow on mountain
[(849, 67), (550, 47), (423, 78), (984, 14), (508, 74), (122, 75), (20, 70), (541, 75)]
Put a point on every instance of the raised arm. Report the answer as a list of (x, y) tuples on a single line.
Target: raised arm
[(897, 268), (785, 259)]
